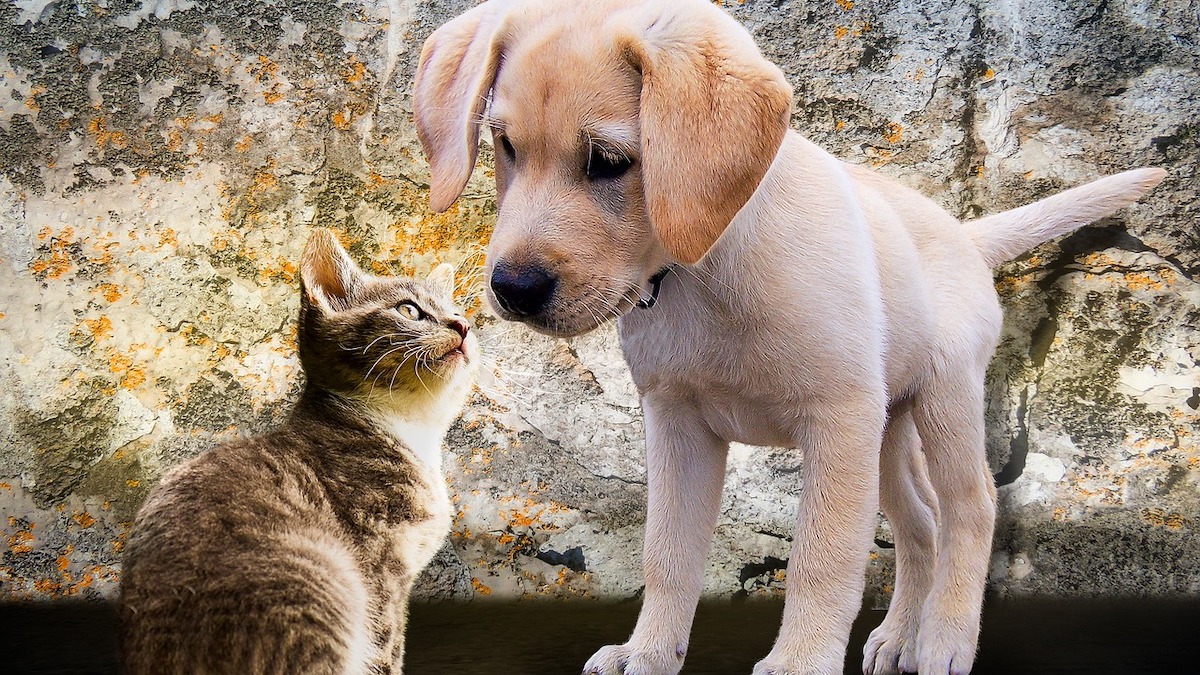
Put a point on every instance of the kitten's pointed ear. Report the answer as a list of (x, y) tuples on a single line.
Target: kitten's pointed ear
[(327, 274), (442, 277)]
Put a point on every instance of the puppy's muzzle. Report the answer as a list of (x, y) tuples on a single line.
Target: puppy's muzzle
[(522, 291)]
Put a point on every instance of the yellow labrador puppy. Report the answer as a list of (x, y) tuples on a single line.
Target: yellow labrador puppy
[(644, 158)]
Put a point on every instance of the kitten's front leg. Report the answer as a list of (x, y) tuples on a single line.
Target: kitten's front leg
[(399, 614), (685, 471)]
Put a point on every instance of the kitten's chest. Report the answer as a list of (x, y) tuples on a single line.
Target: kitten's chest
[(414, 544), (404, 546)]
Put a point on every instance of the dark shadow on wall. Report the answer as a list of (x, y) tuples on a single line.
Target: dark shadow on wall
[(1127, 637)]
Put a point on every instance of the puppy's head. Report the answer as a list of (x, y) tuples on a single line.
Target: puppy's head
[(627, 135)]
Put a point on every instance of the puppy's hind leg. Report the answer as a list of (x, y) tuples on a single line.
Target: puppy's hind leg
[(949, 416), (910, 504)]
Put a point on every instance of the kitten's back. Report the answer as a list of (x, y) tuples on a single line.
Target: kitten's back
[(254, 580)]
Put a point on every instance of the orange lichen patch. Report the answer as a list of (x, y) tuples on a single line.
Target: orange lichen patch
[(988, 75), (118, 362), (1098, 259), (840, 32), (846, 5), (529, 513), (21, 541), (174, 140), (58, 262), (1009, 285), (122, 364), (47, 587), (98, 128), (342, 119), (264, 182), (136, 377), (84, 519), (283, 270), (31, 100), (243, 144), (109, 292), (1160, 518), (2, 315), (878, 156), (376, 180), (265, 70), (1141, 281), (272, 96), (355, 71), (480, 587), (168, 237), (894, 133), (102, 251), (1060, 513), (5, 486), (100, 329)]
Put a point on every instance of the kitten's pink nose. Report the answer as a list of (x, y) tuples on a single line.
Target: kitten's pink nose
[(459, 325)]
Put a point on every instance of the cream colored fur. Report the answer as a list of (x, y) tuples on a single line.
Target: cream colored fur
[(814, 304)]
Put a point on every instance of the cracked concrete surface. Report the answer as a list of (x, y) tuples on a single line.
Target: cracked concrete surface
[(162, 162)]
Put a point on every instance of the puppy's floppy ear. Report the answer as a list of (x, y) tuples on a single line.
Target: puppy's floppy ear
[(327, 274), (457, 68), (713, 113)]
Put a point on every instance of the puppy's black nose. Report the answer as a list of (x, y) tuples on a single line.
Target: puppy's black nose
[(523, 291)]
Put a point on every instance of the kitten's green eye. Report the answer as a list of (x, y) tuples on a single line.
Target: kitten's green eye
[(409, 311)]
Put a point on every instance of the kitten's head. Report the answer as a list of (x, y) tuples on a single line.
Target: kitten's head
[(389, 341)]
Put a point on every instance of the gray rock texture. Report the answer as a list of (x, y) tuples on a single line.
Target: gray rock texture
[(162, 161)]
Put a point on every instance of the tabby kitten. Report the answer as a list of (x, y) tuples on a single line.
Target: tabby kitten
[(294, 552)]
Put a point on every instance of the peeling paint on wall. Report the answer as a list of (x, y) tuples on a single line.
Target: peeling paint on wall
[(162, 162)]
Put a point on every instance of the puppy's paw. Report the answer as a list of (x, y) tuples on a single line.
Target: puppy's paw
[(891, 648), (783, 665), (627, 660), (946, 647)]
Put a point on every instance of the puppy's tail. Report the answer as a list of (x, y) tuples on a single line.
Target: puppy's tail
[(1006, 235)]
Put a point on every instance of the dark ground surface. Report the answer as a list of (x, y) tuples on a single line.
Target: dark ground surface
[(1127, 637)]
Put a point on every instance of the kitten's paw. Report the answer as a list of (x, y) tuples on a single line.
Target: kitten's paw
[(891, 648), (946, 648), (784, 665), (627, 660)]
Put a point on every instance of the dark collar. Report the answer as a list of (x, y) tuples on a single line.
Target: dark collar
[(655, 287)]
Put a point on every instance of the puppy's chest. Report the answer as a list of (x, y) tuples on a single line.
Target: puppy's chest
[(679, 347)]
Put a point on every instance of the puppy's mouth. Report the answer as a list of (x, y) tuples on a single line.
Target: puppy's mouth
[(573, 314)]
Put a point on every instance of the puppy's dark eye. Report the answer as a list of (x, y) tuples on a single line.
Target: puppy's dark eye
[(604, 164), (409, 310), (509, 151)]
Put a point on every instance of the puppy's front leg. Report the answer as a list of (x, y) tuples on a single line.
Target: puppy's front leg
[(825, 573), (685, 471)]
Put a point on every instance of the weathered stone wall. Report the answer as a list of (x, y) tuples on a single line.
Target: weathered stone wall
[(162, 161)]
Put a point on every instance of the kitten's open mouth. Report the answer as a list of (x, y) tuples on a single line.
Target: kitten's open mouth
[(455, 355)]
